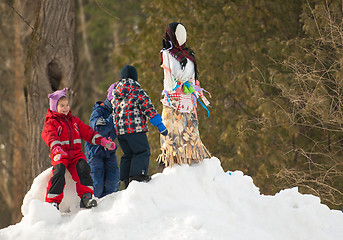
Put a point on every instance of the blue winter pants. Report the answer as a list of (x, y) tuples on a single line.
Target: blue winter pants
[(105, 175)]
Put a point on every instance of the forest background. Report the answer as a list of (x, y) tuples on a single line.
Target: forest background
[(273, 68)]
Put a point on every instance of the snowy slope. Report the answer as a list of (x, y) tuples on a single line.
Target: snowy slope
[(185, 202)]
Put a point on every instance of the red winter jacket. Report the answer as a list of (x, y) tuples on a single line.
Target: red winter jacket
[(67, 131)]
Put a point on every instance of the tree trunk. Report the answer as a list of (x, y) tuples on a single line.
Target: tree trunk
[(49, 67), (85, 70), (14, 35)]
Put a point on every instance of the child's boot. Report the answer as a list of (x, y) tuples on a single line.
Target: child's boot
[(87, 201), (140, 178), (126, 182), (56, 205)]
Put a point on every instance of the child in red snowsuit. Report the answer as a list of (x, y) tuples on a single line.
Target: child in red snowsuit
[(63, 133)]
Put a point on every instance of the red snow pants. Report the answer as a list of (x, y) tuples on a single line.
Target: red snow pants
[(79, 171)]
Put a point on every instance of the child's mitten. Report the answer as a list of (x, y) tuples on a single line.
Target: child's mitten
[(163, 132), (107, 143), (56, 153), (157, 122)]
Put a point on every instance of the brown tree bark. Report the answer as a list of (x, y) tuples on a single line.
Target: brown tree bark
[(49, 67), (84, 69), (37, 57), (14, 35)]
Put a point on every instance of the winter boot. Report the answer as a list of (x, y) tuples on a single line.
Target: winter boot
[(140, 178), (87, 201), (126, 182), (56, 205)]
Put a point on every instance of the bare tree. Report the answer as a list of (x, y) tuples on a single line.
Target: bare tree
[(315, 93), (33, 67), (15, 34), (49, 66)]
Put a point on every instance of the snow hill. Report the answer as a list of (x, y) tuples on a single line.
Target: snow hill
[(184, 202)]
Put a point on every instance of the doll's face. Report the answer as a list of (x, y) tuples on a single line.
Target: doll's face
[(63, 106), (181, 34)]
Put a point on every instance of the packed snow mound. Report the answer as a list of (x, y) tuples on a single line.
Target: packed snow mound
[(70, 202), (184, 202)]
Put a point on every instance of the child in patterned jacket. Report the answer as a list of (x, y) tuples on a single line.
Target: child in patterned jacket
[(131, 109)]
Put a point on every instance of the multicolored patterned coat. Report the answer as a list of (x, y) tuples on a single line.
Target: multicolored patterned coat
[(131, 107)]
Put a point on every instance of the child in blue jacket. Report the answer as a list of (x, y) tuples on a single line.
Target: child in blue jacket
[(103, 162)]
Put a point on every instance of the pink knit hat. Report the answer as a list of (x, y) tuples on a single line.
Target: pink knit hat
[(55, 96), (110, 91)]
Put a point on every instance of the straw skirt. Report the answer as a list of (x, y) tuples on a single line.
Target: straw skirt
[(183, 143)]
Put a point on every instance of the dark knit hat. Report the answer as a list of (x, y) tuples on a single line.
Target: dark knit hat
[(129, 72)]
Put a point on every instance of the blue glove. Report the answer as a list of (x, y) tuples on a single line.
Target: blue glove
[(164, 132), (157, 122)]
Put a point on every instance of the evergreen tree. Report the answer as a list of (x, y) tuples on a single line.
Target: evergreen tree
[(237, 45)]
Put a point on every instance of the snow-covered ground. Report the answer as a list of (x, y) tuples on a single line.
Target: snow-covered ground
[(184, 202)]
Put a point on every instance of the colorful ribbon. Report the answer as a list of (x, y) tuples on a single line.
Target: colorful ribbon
[(203, 105), (165, 92), (188, 87)]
